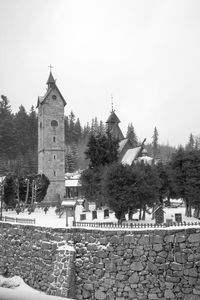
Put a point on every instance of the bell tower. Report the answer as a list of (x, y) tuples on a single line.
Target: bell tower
[(51, 139)]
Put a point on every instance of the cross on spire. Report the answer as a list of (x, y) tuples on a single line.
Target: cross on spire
[(112, 102), (50, 67)]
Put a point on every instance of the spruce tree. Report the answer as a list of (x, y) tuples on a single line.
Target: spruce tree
[(131, 135), (191, 144), (155, 144)]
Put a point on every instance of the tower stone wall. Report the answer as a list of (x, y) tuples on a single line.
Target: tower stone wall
[(51, 160)]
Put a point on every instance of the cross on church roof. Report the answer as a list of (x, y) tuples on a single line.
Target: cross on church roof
[(50, 67), (112, 110)]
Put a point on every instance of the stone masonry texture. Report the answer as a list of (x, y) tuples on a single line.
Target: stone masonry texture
[(113, 265), (40, 256)]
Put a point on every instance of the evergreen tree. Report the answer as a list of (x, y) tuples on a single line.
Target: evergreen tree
[(91, 185), (86, 131), (71, 127), (69, 163), (155, 143), (127, 188), (9, 197), (186, 167), (131, 135), (22, 130), (33, 129), (102, 128), (77, 131), (101, 150), (66, 124), (7, 130), (191, 144)]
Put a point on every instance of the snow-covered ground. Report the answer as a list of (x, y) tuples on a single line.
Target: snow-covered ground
[(52, 220), (14, 288)]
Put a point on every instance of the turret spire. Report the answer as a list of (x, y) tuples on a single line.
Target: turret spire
[(50, 81)]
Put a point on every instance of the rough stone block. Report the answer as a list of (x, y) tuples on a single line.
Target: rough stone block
[(134, 278), (169, 294), (194, 237), (99, 295)]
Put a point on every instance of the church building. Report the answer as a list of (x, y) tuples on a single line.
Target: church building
[(128, 153), (51, 140)]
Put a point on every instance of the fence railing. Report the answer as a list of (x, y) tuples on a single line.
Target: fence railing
[(18, 220), (132, 225)]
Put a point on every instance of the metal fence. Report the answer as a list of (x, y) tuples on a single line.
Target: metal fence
[(133, 225)]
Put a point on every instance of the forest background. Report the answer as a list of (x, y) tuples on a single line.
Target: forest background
[(19, 140)]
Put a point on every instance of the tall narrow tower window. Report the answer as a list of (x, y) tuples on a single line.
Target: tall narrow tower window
[(54, 139), (54, 173)]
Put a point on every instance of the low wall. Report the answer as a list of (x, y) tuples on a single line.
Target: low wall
[(113, 265), (41, 257)]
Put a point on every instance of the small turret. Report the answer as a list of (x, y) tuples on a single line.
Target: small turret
[(50, 81)]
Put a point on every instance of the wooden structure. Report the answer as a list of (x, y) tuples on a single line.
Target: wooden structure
[(70, 206)]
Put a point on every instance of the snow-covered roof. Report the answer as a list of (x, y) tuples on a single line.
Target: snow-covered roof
[(130, 156), (74, 175), (72, 182), (68, 203), (146, 159), (122, 143), (2, 178)]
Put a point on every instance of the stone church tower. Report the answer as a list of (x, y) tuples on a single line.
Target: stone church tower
[(51, 139)]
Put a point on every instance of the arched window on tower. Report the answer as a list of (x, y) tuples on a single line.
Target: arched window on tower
[(54, 139), (54, 123)]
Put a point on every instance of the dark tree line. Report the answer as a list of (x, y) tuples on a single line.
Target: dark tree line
[(19, 140)]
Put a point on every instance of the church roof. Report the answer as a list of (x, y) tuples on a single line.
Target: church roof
[(50, 79), (130, 156), (113, 118), (116, 132), (51, 86), (122, 144)]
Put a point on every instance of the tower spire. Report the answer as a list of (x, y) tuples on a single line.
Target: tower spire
[(112, 109), (50, 81)]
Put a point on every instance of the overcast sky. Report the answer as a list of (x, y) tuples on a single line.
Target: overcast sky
[(145, 53)]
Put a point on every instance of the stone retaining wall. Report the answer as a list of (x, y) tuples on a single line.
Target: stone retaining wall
[(137, 265), (41, 257), (113, 265)]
